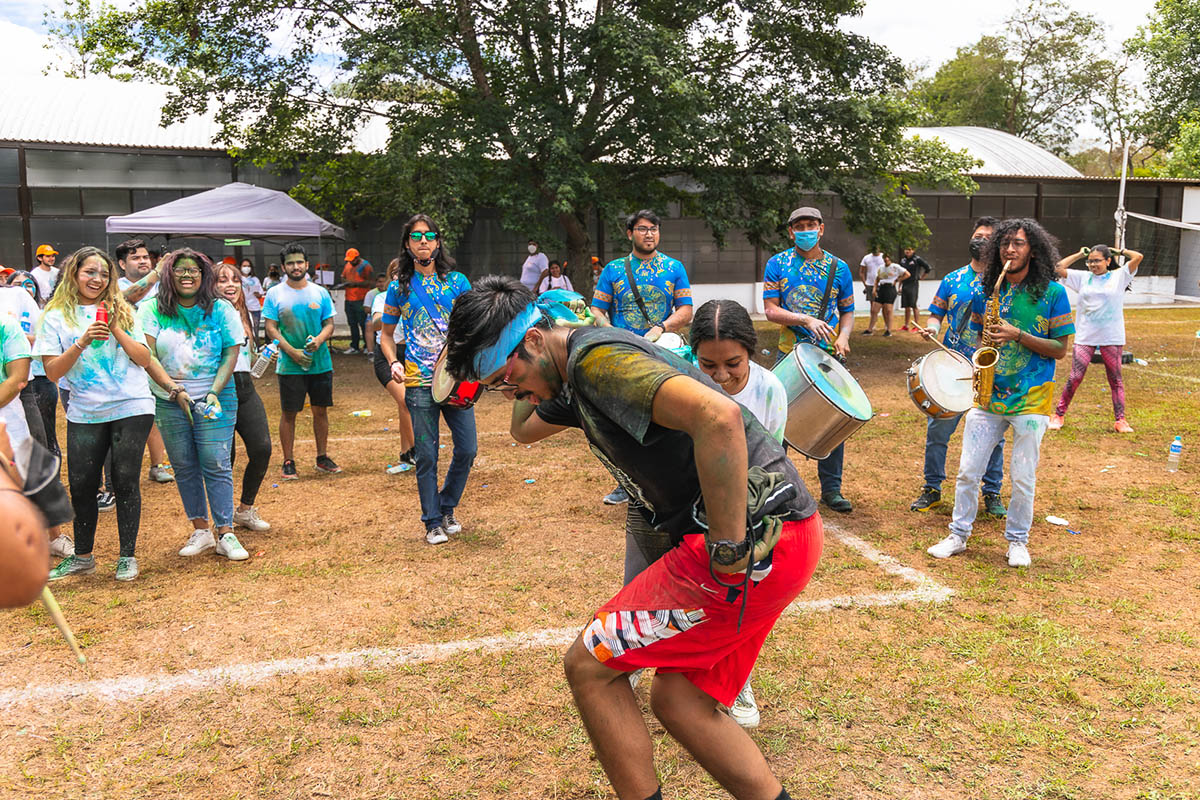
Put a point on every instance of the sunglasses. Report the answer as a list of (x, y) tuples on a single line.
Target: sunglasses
[(429, 236), (503, 385)]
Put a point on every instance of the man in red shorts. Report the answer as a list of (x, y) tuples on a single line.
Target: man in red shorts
[(703, 470)]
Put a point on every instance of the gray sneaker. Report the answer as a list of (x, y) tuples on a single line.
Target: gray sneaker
[(744, 710), (250, 519), (161, 473), (451, 524), (436, 535), (73, 565), (126, 568), (200, 541), (62, 546), (616, 497)]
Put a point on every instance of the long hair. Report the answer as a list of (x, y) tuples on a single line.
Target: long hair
[(66, 295), (723, 319), (240, 302), (168, 298), (22, 275), (1043, 255), (442, 262)]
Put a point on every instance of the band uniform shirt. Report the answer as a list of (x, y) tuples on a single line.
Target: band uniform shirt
[(799, 285), (1024, 380), (612, 378), (300, 313), (662, 282), (1100, 315), (953, 303), (423, 337)]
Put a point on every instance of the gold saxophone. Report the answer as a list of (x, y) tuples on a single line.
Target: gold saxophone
[(985, 358)]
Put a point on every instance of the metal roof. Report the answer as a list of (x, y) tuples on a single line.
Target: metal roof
[(1001, 152)]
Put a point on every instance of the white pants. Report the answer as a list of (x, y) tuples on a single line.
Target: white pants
[(983, 430)]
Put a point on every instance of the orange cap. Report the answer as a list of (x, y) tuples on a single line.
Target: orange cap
[(46, 250), (230, 260), (351, 254)]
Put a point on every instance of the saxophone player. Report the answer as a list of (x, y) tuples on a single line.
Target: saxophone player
[(1025, 314)]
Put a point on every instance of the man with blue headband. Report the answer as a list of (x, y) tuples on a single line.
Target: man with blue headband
[(745, 532)]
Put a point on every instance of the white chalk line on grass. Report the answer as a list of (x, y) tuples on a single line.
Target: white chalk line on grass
[(133, 686)]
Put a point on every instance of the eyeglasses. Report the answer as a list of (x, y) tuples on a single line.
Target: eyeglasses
[(504, 385), (428, 236), (643, 229), (90, 275), (1016, 243), (182, 271)]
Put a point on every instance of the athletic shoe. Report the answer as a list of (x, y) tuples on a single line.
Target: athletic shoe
[(616, 497), (1121, 426), (930, 499), (409, 456), (993, 506), (231, 548), (126, 568), (199, 542), (62, 546), (950, 546), (867, 332), (396, 469), (1056, 422), (73, 565), (161, 473), (451, 524), (1018, 555), (325, 464), (436, 536), (906, 329), (744, 710), (887, 333), (836, 502), (106, 501), (289, 471), (250, 519)]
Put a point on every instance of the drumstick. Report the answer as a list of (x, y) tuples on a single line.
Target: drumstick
[(56, 614)]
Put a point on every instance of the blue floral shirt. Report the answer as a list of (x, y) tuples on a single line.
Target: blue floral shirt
[(799, 285), (424, 336), (662, 281), (953, 303)]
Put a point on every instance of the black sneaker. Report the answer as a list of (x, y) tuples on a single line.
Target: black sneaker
[(105, 501), (409, 456), (325, 464), (993, 506), (929, 500), (289, 471), (836, 502)]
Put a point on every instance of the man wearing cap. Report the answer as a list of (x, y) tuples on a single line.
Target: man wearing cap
[(356, 278), (810, 293), (44, 272)]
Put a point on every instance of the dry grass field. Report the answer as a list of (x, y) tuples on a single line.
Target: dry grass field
[(348, 659)]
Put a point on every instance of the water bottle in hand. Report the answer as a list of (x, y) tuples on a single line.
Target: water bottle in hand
[(264, 359), (1174, 453)]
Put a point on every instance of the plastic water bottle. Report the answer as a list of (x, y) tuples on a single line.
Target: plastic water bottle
[(101, 316), (1174, 453), (26, 322), (203, 409), (264, 359), (366, 412)]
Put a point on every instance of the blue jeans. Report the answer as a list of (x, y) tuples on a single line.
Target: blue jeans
[(829, 468), (425, 415), (199, 452), (937, 435)]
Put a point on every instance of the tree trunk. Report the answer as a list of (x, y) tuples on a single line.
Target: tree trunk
[(579, 251)]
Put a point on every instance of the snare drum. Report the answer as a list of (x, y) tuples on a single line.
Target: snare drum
[(449, 391), (939, 384), (825, 404)]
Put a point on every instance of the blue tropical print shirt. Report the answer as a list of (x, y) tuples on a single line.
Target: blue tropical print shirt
[(662, 282), (799, 284), (424, 336), (953, 303)]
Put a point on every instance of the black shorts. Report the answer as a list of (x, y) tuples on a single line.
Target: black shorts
[(293, 388), (908, 293), (885, 293), (383, 370)]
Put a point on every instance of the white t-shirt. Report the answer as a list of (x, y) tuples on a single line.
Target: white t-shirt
[(105, 384), (124, 283), (1100, 309), (19, 306), (377, 308), (251, 289), (872, 262), (887, 274), (531, 270), (45, 281), (766, 399), (14, 345), (551, 282)]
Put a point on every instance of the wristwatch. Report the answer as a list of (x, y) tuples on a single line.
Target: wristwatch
[(727, 552)]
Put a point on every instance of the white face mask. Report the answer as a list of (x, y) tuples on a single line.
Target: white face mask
[(245, 270), (532, 249)]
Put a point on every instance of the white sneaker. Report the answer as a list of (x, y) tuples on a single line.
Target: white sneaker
[(250, 519), (62, 546), (950, 546), (744, 710), (1018, 555), (634, 677), (436, 535), (161, 473), (199, 542), (451, 524), (231, 548)]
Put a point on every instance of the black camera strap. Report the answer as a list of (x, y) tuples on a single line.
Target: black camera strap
[(633, 287)]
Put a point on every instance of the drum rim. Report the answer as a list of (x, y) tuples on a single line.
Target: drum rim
[(800, 364), (439, 370), (919, 375)]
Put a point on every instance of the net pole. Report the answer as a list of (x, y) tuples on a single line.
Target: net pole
[(1119, 233)]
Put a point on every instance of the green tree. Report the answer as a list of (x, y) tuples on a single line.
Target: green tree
[(550, 110), (1170, 46), (1183, 156), (76, 29)]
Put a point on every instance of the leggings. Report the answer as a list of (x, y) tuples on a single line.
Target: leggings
[(87, 446), (1111, 353), (107, 471), (255, 431), (45, 395), (33, 417)]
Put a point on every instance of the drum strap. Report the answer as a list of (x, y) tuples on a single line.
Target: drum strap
[(633, 287), (828, 288)]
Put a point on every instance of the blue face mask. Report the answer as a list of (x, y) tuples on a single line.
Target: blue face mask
[(806, 240)]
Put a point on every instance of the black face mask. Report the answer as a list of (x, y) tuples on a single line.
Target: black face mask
[(977, 246)]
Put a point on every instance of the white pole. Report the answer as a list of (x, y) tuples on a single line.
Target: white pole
[(1119, 235)]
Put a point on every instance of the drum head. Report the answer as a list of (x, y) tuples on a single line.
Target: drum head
[(443, 381), (669, 340), (833, 381), (946, 379)]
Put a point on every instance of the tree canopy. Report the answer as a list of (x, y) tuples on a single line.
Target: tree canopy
[(1169, 44)]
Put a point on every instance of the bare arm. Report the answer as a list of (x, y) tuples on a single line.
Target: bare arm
[(137, 350), (141, 288), (1050, 348), (678, 320), (601, 317), (18, 376), (527, 427), (1060, 269), (1135, 260), (845, 328), (322, 337)]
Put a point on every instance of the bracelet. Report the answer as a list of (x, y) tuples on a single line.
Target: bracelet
[(82, 349)]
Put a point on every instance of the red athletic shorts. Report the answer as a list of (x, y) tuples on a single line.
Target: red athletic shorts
[(675, 618)]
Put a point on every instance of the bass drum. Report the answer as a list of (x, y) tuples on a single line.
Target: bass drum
[(940, 384), (825, 404), (448, 391)]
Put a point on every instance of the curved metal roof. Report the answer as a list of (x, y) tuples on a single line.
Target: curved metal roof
[(1001, 152)]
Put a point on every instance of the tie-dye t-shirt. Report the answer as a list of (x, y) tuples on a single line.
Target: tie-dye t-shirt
[(953, 303), (799, 285), (300, 313), (105, 384), (662, 281), (13, 346), (18, 305), (423, 337), (766, 399), (190, 344), (1024, 382), (1100, 310)]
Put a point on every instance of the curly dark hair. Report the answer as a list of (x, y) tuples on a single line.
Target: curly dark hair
[(478, 318), (1043, 255), (442, 262)]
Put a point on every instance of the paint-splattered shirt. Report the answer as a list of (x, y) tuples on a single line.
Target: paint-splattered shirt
[(190, 344), (953, 303), (19, 305), (766, 399), (662, 282), (424, 335), (13, 345), (1024, 381), (1100, 311), (300, 313), (612, 378), (799, 285), (105, 384)]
